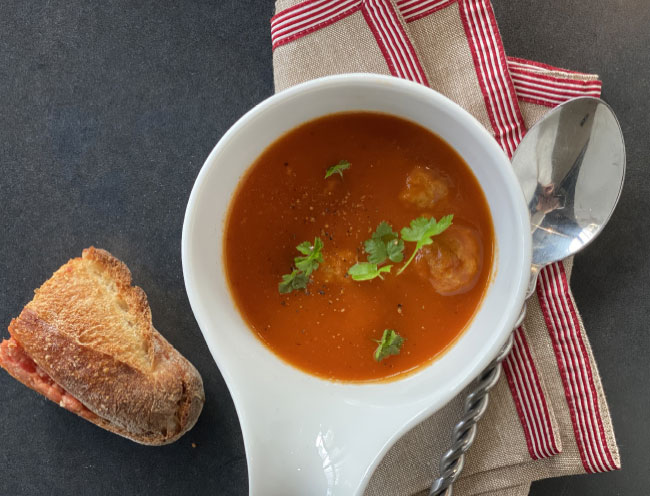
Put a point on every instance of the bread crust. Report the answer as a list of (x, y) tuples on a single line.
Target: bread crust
[(153, 399)]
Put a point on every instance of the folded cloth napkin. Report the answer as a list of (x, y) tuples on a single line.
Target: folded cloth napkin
[(548, 415)]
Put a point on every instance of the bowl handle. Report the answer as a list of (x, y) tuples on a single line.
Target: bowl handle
[(289, 452)]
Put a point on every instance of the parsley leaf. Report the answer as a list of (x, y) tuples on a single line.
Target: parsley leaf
[(338, 168), (421, 231), (384, 244), (304, 266), (389, 344), (313, 256), (295, 280), (364, 271)]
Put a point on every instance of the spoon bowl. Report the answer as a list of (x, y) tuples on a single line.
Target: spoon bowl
[(570, 166)]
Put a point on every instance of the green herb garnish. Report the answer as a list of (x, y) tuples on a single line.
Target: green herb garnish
[(295, 280), (304, 266), (389, 344), (421, 231), (338, 168), (384, 244), (364, 271), (313, 256)]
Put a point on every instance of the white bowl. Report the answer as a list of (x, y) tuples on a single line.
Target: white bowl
[(306, 435)]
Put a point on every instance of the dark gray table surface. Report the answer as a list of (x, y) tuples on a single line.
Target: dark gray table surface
[(109, 109)]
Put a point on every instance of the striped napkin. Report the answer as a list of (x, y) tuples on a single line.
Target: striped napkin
[(548, 415)]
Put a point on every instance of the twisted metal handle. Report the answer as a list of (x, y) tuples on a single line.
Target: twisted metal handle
[(452, 461)]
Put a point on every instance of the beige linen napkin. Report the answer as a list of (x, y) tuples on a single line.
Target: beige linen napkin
[(548, 415)]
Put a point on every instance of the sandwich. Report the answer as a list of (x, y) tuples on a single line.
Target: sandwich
[(86, 342)]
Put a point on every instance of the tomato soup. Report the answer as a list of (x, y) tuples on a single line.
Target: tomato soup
[(381, 170)]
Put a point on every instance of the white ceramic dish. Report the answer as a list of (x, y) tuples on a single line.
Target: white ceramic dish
[(304, 435)]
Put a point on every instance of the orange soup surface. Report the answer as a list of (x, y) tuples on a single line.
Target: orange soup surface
[(398, 172)]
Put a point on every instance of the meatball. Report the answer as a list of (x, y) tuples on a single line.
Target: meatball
[(335, 266), (424, 188), (453, 261)]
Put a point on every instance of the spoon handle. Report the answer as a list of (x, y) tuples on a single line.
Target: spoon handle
[(452, 461)]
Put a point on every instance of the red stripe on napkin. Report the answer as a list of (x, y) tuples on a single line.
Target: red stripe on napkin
[(312, 15), (492, 71), (529, 399), (412, 10), (307, 17), (532, 64), (575, 369), (536, 87), (393, 41)]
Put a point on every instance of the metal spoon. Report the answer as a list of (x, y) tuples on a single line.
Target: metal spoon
[(570, 166)]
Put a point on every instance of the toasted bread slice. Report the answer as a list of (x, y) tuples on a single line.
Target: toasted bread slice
[(93, 349)]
